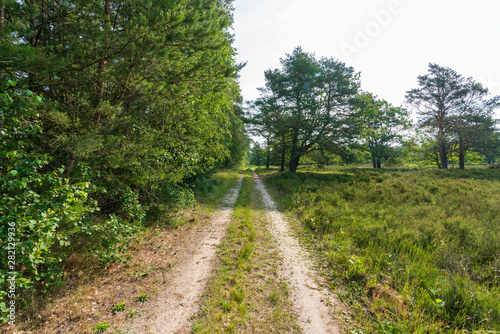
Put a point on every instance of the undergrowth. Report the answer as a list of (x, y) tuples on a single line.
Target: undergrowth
[(412, 251)]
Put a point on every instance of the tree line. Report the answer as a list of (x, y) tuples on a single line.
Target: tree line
[(111, 111), (314, 109)]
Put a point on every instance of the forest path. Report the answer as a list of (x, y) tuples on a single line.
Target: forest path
[(176, 305), (310, 301)]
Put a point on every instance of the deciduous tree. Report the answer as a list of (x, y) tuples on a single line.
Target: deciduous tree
[(383, 125)]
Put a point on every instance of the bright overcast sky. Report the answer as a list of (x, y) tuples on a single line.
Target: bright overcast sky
[(390, 42)]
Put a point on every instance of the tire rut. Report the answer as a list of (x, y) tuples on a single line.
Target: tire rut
[(176, 305)]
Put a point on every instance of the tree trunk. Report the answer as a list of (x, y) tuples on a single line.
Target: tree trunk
[(43, 13), (294, 156), (268, 156), (438, 161), (378, 163), (102, 64), (294, 163), (461, 155), (443, 154), (283, 153), (374, 162), (282, 167), (100, 89), (33, 43), (2, 15)]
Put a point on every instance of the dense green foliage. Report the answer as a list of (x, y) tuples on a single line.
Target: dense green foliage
[(136, 103), (257, 156), (41, 211), (141, 91), (417, 250)]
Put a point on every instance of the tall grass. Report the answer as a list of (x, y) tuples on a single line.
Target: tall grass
[(418, 250)]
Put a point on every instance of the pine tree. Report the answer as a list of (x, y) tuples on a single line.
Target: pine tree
[(311, 98)]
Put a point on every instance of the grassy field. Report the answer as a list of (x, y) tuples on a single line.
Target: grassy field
[(246, 295), (410, 250)]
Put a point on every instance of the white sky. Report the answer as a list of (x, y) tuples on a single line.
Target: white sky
[(390, 42)]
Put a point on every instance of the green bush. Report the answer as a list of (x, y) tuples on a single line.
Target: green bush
[(41, 210), (108, 238), (131, 206)]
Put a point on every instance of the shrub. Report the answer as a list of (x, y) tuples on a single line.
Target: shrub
[(131, 206), (41, 210)]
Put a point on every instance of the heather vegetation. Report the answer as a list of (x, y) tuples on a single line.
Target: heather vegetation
[(410, 250)]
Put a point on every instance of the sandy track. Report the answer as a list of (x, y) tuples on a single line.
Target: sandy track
[(176, 305), (308, 299)]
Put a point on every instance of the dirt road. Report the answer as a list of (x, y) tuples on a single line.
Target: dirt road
[(177, 305), (309, 300)]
